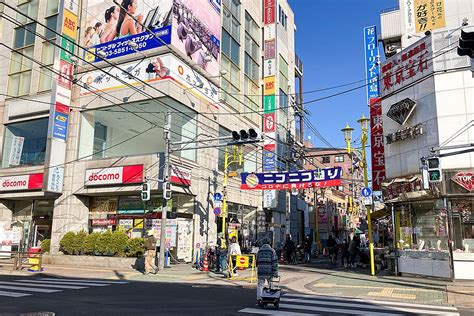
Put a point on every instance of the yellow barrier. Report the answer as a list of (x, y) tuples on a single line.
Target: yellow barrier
[(245, 262)]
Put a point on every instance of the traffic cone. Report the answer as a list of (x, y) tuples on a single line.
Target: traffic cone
[(205, 266)]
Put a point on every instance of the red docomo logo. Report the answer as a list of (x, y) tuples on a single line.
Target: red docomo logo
[(104, 177), (14, 184)]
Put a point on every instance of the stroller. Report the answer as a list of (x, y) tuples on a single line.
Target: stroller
[(271, 295)]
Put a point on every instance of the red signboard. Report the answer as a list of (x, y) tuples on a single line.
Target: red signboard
[(269, 123), (269, 48), (65, 74), (104, 222), (269, 11), (464, 179), (180, 176), (377, 143), (114, 175), (21, 182)]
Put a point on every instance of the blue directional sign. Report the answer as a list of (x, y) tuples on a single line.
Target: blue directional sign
[(366, 192), (217, 196)]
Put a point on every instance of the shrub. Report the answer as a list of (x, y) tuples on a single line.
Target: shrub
[(118, 244), (67, 243), (135, 247), (79, 242), (102, 244), (45, 245), (89, 243)]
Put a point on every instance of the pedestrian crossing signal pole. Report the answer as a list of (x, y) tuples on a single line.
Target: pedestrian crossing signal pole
[(166, 194)]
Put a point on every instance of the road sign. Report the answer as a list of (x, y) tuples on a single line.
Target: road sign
[(366, 192), (217, 196), (217, 211), (367, 200)]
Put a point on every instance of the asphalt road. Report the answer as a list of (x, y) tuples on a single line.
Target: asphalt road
[(68, 296), (131, 298)]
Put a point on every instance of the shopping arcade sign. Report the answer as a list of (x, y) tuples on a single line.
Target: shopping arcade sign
[(318, 178)]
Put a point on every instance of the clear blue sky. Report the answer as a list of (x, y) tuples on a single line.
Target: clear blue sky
[(329, 41)]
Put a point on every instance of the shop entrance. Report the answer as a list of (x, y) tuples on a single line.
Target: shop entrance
[(31, 223)]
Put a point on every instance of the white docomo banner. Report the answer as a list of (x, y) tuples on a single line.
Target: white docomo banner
[(104, 176), (14, 183)]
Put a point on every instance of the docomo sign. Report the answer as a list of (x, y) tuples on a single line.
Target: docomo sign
[(104, 222), (23, 182), (115, 175)]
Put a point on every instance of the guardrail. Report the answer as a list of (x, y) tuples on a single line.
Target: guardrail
[(20, 260)]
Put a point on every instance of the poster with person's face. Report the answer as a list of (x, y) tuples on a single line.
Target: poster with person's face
[(192, 27)]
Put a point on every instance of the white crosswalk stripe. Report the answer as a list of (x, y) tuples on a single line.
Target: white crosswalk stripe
[(299, 304), (27, 287)]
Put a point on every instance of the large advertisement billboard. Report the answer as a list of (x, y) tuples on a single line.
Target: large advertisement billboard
[(192, 27)]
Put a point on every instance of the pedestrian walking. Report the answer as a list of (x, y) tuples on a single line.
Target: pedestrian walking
[(288, 249), (234, 250), (345, 253), (352, 251), (267, 266), (218, 252), (307, 249), (150, 255), (332, 249)]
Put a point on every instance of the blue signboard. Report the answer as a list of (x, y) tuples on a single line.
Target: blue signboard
[(120, 47), (217, 196), (60, 125), (366, 192), (371, 62), (269, 160), (291, 180), (217, 211)]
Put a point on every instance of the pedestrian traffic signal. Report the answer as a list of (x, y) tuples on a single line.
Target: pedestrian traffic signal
[(246, 136), (434, 170), (466, 42), (146, 192), (167, 190)]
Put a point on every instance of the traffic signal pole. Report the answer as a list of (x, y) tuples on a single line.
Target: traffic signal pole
[(166, 178)]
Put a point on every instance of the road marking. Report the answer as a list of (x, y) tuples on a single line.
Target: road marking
[(57, 286), (32, 289), (333, 310), (62, 282), (376, 302), (13, 294), (272, 312), (83, 280), (358, 305), (331, 285)]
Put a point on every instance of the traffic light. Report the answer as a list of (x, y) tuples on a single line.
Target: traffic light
[(466, 42), (167, 190), (243, 136), (434, 170), (146, 192)]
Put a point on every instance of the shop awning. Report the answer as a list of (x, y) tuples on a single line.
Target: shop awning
[(379, 214)]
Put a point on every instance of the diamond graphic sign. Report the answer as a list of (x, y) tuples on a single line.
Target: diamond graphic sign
[(464, 179), (400, 112)]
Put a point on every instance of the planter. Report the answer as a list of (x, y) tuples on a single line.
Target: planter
[(94, 261)]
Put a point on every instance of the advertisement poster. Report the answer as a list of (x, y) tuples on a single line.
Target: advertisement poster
[(371, 61), (192, 27), (429, 15), (16, 150), (377, 144)]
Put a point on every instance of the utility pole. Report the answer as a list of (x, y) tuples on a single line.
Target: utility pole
[(224, 197), (166, 179), (288, 158)]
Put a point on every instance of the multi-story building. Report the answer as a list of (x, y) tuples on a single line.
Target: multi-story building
[(427, 109), (338, 208), (83, 126)]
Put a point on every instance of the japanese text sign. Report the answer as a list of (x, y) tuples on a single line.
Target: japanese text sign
[(371, 61), (408, 66), (317, 178), (429, 15), (377, 144)]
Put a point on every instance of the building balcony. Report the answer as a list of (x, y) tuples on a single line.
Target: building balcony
[(298, 66)]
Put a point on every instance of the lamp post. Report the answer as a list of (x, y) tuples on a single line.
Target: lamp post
[(364, 126)]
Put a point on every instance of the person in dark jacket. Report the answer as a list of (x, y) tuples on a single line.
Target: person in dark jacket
[(344, 253), (267, 266), (307, 249), (353, 249), (150, 246), (289, 248)]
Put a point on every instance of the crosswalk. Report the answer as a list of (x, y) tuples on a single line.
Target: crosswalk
[(28, 287), (302, 305)]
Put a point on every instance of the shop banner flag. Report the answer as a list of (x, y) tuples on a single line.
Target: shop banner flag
[(318, 178)]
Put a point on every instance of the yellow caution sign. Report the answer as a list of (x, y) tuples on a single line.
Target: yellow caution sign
[(242, 262)]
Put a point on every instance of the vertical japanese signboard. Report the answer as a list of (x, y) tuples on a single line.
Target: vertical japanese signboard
[(377, 144), (61, 96), (269, 98), (371, 62)]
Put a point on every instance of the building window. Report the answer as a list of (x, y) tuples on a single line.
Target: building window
[(325, 159), (19, 79), (48, 49), (25, 143), (282, 17), (283, 70), (252, 99), (339, 158), (231, 30), (107, 134), (252, 49)]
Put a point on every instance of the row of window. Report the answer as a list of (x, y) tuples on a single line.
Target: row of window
[(327, 159)]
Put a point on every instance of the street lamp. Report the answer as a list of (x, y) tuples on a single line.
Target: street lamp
[(364, 126), (348, 136)]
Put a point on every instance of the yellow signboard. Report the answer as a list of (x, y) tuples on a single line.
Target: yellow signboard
[(242, 261), (429, 15), (138, 223), (69, 26), (269, 85)]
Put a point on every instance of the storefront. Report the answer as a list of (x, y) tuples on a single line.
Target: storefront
[(242, 223)]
